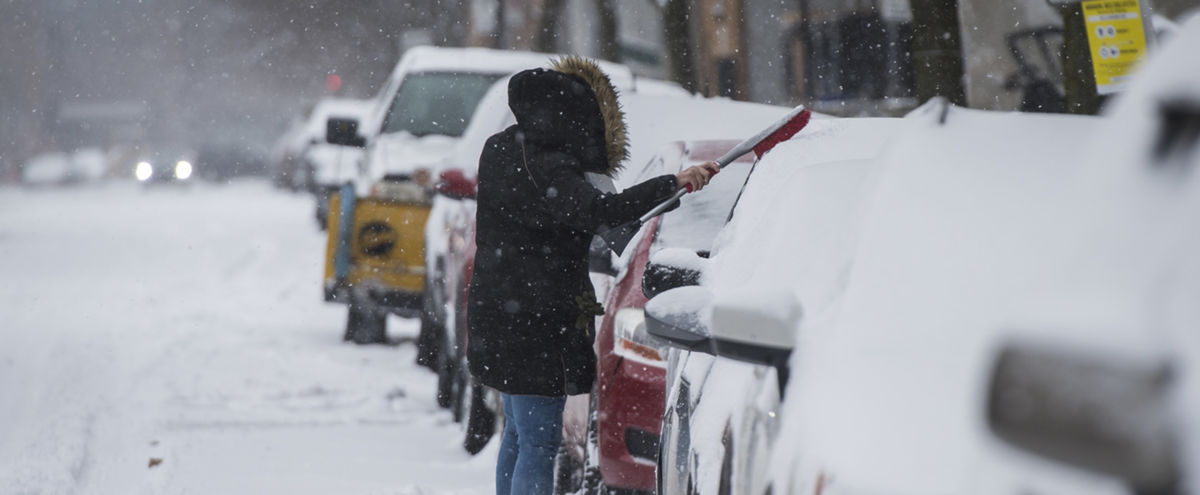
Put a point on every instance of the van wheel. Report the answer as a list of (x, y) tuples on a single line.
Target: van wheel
[(481, 421), (366, 325)]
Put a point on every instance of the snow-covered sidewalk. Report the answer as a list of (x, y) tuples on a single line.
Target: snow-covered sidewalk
[(175, 341)]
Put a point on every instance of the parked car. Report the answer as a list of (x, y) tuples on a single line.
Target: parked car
[(1014, 316), (627, 408), (58, 168), (287, 155), (989, 318), (450, 251), (375, 262), (789, 227), (47, 169)]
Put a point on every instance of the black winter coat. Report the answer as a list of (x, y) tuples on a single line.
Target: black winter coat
[(531, 303)]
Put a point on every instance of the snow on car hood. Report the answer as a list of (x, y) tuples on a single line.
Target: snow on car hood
[(403, 153), (789, 227)]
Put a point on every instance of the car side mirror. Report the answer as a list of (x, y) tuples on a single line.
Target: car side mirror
[(757, 326), (680, 317), (671, 268), (343, 132), (1093, 412), (454, 184)]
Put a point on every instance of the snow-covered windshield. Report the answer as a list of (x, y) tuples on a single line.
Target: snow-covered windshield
[(437, 102), (695, 224)]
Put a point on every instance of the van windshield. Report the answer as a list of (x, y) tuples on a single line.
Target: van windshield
[(437, 102)]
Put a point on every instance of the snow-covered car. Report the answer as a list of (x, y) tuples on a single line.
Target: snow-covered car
[(627, 408), (788, 232), (1018, 319), (452, 213), (53, 168), (376, 263), (90, 164), (1024, 298), (449, 253), (286, 157), (47, 169), (619, 445), (329, 165), (996, 318)]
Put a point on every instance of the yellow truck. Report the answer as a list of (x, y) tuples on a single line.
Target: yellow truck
[(375, 259)]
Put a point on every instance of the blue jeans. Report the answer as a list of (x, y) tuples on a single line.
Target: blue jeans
[(532, 434)]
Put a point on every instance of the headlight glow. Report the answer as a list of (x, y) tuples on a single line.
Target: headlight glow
[(143, 171), (183, 170)]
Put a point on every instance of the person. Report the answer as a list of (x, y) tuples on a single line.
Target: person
[(531, 305)]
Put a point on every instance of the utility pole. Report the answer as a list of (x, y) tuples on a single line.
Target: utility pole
[(606, 33), (937, 50), (498, 38), (549, 26), (677, 42), (1079, 80)]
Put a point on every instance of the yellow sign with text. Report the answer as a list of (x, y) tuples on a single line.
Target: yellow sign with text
[(1117, 40)]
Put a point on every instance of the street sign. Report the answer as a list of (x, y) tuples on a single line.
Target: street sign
[(1116, 39)]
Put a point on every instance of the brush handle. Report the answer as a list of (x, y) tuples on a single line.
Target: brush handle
[(785, 127)]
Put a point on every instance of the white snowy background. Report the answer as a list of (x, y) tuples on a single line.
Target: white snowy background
[(186, 325)]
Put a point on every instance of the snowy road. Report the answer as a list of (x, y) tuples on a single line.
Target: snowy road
[(175, 341)]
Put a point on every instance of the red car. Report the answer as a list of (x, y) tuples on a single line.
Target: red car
[(631, 383)]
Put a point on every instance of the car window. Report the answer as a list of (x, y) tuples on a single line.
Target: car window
[(700, 216), (437, 102)]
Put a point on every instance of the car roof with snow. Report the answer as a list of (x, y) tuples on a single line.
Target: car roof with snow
[(488, 60), (956, 227)]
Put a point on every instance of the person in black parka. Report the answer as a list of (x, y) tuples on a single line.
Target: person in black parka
[(531, 305)]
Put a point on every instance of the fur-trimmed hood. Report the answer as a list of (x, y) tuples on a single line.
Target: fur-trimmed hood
[(572, 108)]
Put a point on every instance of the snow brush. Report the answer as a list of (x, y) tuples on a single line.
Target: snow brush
[(618, 237)]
